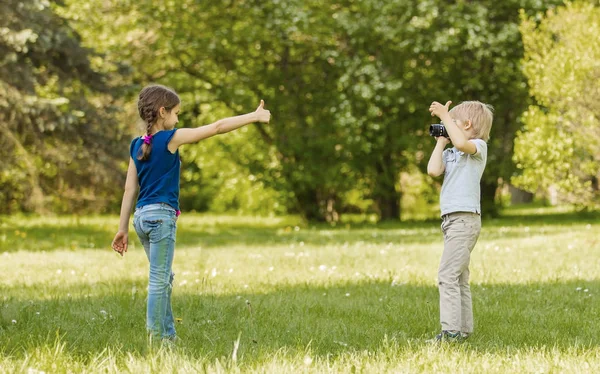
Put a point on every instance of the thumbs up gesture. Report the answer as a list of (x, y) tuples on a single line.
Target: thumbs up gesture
[(263, 114), (437, 109)]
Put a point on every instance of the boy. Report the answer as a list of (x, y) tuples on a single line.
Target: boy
[(468, 126)]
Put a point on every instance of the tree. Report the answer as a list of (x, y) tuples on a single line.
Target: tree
[(559, 144), (55, 116), (348, 82)]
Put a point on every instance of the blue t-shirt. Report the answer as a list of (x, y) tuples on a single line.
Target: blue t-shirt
[(159, 174)]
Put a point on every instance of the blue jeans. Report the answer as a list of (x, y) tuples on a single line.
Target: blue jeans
[(156, 226)]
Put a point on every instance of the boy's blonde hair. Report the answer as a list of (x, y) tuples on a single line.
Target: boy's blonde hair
[(481, 116)]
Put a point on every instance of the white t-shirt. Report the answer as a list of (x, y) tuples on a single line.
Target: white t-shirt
[(460, 190)]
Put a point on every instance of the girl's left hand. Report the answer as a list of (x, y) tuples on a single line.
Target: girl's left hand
[(119, 243), (438, 109)]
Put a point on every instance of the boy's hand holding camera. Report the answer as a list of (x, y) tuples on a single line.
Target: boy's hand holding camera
[(459, 132)]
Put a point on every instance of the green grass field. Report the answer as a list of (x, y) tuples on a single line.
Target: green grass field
[(276, 295)]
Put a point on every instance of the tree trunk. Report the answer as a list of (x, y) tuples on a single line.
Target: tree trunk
[(489, 208), (385, 194), (316, 206)]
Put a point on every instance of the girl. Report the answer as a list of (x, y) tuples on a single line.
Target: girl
[(154, 165)]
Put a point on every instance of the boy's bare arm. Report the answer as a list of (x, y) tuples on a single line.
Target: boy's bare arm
[(436, 166), (458, 138)]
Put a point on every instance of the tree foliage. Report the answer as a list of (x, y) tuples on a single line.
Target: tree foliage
[(559, 144), (348, 83), (57, 134)]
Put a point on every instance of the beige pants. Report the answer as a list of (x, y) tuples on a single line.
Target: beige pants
[(461, 231)]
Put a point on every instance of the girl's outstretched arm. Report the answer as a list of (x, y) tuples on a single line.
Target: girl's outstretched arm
[(187, 136), (119, 243)]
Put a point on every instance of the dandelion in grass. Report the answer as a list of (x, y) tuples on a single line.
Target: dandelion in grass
[(14, 321)]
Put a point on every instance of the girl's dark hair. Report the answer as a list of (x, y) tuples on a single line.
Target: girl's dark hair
[(151, 99)]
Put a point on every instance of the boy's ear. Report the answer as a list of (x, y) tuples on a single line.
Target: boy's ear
[(162, 112), (468, 124)]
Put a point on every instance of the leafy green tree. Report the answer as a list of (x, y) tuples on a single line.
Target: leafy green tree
[(559, 145), (57, 137), (348, 83)]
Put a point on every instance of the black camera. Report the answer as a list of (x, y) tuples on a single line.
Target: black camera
[(438, 129)]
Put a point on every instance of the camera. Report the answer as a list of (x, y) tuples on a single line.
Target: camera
[(438, 129)]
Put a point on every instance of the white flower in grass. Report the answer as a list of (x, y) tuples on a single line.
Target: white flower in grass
[(14, 321), (271, 268), (37, 313), (347, 294), (296, 228), (324, 293), (322, 267), (213, 272), (341, 343), (586, 290), (578, 289), (59, 271), (230, 270), (35, 371), (307, 360)]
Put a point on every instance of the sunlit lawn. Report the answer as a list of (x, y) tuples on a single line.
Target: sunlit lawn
[(278, 295)]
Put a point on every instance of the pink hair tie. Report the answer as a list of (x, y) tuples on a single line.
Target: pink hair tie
[(147, 139), (177, 213)]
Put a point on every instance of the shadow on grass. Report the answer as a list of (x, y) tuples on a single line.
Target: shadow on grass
[(326, 321), (201, 231)]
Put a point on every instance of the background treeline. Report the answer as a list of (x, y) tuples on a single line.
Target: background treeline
[(348, 83)]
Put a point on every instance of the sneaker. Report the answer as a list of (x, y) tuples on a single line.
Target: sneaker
[(464, 335), (447, 336), (171, 341)]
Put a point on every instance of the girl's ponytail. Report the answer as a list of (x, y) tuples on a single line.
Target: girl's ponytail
[(151, 99)]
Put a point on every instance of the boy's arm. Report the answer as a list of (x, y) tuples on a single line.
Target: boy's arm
[(436, 166), (458, 138), (187, 136), (120, 241)]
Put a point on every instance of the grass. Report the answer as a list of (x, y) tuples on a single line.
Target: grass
[(278, 295)]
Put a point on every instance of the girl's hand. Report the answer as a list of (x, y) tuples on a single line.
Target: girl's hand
[(263, 114), (119, 243), (438, 109)]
